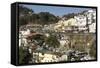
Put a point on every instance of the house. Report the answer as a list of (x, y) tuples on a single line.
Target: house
[(22, 37), (91, 16), (45, 57), (65, 25), (92, 28), (81, 22), (48, 57)]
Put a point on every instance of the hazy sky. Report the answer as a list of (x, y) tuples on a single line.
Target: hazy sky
[(58, 11)]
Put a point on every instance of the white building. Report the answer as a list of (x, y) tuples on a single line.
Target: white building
[(65, 25), (92, 28), (91, 17), (85, 21), (22, 37), (81, 22)]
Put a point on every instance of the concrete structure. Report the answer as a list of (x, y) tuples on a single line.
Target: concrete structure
[(81, 22), (65, 25)]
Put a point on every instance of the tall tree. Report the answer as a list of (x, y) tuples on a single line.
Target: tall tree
[(24, 56)]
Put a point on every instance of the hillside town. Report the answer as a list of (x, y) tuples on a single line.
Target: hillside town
[(85, 23), (70, 39)]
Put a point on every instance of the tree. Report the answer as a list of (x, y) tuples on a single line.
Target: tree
[(35, 18), (25, 15), (39, 38), (47, 18), (68, 16), (92, 51), (22, 21), (24, 56), (24, 10), (52, 41)]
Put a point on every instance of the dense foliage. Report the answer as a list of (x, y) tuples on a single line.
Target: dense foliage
[(24, 56), (52, 41), (68, 16), (27, 15), (92, 51)]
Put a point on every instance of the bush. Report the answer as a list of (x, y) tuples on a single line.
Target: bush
[(52, 41), (24, 56), (92, 51)]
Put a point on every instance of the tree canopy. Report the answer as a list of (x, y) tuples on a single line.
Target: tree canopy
[(52, 41), (27, 15), (24, 56)]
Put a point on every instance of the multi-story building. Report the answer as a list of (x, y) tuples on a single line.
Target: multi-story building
[(91, 16), (91, 19), (66, 25), (86, 21), (81, 22)]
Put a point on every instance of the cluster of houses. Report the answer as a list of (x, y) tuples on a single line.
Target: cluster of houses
[(40, 55), (36, 50), (48, 57), (85, 22)]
